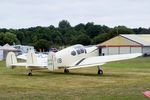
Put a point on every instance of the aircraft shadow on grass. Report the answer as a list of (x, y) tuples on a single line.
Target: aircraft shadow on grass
[(80, 74)]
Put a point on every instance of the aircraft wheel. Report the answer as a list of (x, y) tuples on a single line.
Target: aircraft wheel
[(29, 74), (100, 72), (66, 70)]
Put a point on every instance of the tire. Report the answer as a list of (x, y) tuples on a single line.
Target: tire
[(29, 74), (100, 72), (66, 70)]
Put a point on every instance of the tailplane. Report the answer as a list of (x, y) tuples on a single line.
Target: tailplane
[(10, 60)]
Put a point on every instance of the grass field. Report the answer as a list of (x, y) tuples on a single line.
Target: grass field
[(123, 80)]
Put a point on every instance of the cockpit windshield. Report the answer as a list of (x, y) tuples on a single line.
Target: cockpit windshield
[(79, 49)]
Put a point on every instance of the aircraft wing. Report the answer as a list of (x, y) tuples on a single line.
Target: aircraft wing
[(100, 60)]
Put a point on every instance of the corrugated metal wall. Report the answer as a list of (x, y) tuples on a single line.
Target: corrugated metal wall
[(121, 50)]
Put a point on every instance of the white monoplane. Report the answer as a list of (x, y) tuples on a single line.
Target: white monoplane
[(73, 57)]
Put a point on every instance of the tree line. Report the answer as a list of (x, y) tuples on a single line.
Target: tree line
[(64, 34)]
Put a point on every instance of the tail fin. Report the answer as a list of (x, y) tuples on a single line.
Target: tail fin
[(51, 61), (11, 59), (31, 58)]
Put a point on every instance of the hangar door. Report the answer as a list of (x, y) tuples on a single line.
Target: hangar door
[(136, 49), (113, 50), (124, 50), (120, 50)]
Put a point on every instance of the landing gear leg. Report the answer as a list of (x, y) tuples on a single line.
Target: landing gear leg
[(30, 73), (100, 71), (66, 70)]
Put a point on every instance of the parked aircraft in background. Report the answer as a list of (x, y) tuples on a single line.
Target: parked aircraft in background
[(73, 57)]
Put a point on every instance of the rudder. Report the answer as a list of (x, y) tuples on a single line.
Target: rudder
[(31, 58), (11, 59)]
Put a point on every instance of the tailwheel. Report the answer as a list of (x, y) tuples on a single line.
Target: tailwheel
[(100, 71), (30, 73), (66, 70)]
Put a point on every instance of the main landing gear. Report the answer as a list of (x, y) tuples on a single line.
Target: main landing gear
[(66, 70), (29, 72), (100, 71)]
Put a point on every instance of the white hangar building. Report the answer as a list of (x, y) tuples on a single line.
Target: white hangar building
[(125, 43)]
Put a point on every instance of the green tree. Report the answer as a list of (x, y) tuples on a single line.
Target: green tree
[(69, 36), (56, 38), (100, 38), (64, 24), (80, 27), (42, 44), (82, 39), (20, 36), (93, 30), (120, 30), (9, 38), (2, 38)]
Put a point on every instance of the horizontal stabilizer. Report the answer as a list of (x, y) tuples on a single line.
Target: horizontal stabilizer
[(11, 61)]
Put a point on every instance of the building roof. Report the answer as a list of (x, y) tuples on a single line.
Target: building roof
[(128, 40), (143, 39)]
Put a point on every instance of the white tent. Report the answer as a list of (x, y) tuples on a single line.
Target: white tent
[(5, 49)]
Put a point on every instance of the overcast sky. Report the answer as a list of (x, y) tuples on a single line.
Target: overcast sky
[(30, 13)]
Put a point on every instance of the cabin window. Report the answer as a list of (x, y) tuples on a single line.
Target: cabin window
[(79, 51), (85, 51), (73, 53), (82, 50)]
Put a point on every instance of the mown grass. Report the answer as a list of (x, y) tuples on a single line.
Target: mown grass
[(123, 80)]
